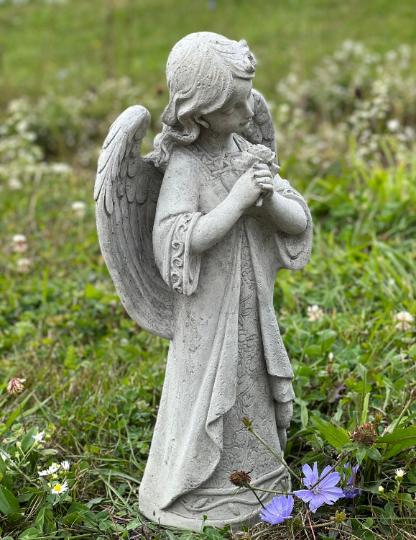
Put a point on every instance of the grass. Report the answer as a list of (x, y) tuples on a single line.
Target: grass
[(93, 377), (97, 39)]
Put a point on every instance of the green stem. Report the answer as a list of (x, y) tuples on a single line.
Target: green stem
[(273, 491), (246, 484), (279, 459)]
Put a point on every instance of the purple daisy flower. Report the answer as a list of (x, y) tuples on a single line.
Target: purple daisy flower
[(350, 491), (278, 510), (320, 491)]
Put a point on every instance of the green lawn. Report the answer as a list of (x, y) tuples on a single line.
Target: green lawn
[(93, 377), (96, 39)]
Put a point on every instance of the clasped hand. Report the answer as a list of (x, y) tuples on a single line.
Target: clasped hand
[(256, 181)]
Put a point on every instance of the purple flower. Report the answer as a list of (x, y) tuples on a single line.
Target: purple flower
[(350, 491), (320, 491), (278, 510)]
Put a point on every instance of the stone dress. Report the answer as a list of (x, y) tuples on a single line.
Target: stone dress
[(227, 360), (241, 451)]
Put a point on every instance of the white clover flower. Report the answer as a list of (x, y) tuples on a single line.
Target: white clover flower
[(79, 208), (314, 313), (404, 319), (400, 473), (14, 183), (60, 168), (66, 465), (20, 244), (59, 488), (393, 124), (39, 437), (24, 265), (15, 386)]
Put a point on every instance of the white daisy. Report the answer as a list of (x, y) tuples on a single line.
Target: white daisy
[(404, 319), (66, 465), (59, 488), (39, 437), (43, 473), (314, 313), (53, 468), (4, 455)]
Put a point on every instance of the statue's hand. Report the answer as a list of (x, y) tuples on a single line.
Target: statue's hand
[(250, 185)]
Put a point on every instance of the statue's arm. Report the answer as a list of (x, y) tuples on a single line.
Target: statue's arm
[(213, 226), (286, 214)]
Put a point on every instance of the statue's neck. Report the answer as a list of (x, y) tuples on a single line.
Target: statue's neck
[(216, 144)]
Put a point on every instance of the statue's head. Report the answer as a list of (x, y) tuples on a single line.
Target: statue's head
[(203, 70)]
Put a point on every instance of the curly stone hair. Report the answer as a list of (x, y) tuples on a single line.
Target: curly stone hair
[(200, 72)]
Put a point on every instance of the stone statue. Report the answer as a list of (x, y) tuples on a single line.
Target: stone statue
[(193, 235)]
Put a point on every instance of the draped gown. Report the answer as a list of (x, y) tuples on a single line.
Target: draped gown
[(226, 359)]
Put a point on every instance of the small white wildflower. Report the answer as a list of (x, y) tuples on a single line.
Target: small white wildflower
[(23, 265), (20, 244), (39, 437), (404, 319), (393, 124), (53, 468), (4, 455), (14, 183), (59, 488), (331, 356), (314, 313), (79, 208), (60, 168), (66, 465), (400, 473), (43, 473)]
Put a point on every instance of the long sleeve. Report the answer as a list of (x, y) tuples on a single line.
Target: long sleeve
[(176, 216), (294, 250)]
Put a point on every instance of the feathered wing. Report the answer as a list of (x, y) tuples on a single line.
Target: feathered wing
[(126, 192), (260, 129)]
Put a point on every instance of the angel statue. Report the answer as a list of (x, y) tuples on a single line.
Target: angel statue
[(193, 235)]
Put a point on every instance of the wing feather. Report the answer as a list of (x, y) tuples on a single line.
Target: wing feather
[(260, 129), (126, 192)]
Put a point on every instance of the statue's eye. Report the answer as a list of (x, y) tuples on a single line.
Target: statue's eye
[(230, 110)]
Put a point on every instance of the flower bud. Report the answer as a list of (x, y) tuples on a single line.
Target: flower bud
[(380, 489), (340, 517), (18, 444), (247, 423)]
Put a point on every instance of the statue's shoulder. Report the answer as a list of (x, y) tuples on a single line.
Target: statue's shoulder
[(187, 157)]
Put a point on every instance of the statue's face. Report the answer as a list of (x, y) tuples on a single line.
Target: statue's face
[(236, 112)]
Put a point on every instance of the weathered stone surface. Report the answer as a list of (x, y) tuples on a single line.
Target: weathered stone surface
[(194, 235)]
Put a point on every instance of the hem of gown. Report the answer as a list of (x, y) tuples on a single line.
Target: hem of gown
[(152, 511), (164, 517)]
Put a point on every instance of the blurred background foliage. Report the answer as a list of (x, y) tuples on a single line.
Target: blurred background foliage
[(340, 81)]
